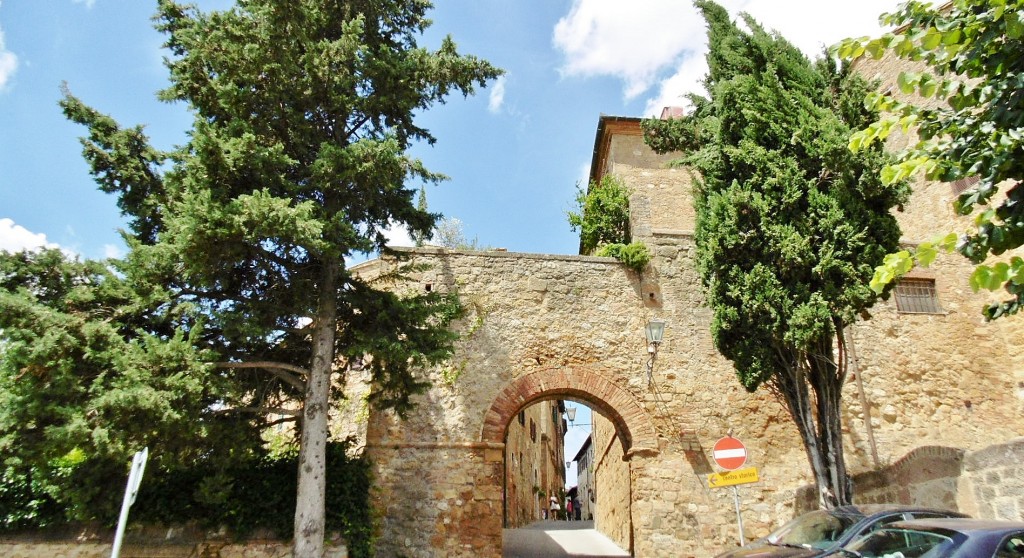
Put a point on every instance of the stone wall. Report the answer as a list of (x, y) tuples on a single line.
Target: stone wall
[(987, 483), (930, 212), (612, 506), (203, 550), (992, 484)]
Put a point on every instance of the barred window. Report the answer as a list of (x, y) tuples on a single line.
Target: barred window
[(533, 431), (917, 296), (522, 418), (963, 184)]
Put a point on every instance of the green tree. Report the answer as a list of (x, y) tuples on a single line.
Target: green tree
[(790, 223), (969, 117), (421, 204), (603, 214), (603, 221), (92, 369), (297, 159)]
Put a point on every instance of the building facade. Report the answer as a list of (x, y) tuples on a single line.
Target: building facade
[(586, 488), (534, 455)]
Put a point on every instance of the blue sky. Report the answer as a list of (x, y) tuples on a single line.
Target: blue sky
[(514, 151)]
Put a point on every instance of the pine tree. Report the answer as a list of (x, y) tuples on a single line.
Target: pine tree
[(94, 366), (297, 159)]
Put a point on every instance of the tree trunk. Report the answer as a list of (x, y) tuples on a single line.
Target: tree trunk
[(829, 377), (312, 482), (819, 422), (834, 488)]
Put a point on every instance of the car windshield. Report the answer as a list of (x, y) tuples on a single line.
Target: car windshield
[(817, 529), (907, 543)]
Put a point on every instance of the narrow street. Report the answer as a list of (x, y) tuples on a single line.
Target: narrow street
[(558, 539)]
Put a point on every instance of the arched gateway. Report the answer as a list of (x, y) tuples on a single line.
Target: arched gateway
[(557, 327), (632, 424)]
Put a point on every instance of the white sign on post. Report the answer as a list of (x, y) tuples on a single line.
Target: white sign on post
[(134, 480)]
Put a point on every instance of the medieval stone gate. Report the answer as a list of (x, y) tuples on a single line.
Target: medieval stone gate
[(544, 327)]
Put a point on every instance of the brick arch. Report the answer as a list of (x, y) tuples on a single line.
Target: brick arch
[(616, 404)]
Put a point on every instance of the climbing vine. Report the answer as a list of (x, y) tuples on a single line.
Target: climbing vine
[(450, 371)]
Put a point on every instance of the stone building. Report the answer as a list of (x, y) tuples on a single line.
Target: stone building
[(561, 327), (534, 452), (586, 489)]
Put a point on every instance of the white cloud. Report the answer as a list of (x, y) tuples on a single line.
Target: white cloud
[(497, 98), (112, 251), (8, 63), (88, 3), (662, 42), (629, 40), (15, 238), (398, 236), (671, 91)]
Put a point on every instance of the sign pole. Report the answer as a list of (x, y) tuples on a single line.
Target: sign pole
[(134, 480), (739, 518), (730, 454)]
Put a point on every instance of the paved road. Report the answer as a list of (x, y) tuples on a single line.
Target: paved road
[(558, 539)]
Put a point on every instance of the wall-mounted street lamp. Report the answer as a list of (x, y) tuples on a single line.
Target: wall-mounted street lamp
[(568, 464), (655, 331), (570, 414)]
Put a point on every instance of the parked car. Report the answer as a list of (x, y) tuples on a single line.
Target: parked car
[(821, 532), (941, 538)]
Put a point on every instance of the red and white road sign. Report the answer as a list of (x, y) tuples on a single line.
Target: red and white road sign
[(730, 453)]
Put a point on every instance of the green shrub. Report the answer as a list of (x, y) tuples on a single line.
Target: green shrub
[(603, 222), (635, 255), (256, 492), (24, 503)]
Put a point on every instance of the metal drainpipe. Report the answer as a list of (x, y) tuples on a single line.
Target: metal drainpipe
[(504, 482), (852, 354)]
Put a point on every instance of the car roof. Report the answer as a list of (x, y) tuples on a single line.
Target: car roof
[(961, 525), (872, 509)]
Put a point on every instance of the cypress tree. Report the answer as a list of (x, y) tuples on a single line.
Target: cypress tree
[(790, 223)]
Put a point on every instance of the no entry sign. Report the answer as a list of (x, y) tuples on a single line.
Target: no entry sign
[(730, 453)]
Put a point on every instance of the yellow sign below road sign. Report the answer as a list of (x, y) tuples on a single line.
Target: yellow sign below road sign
[(730, 478)]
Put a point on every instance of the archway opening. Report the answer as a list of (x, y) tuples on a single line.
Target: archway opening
[(565, 475), (529, 419)]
